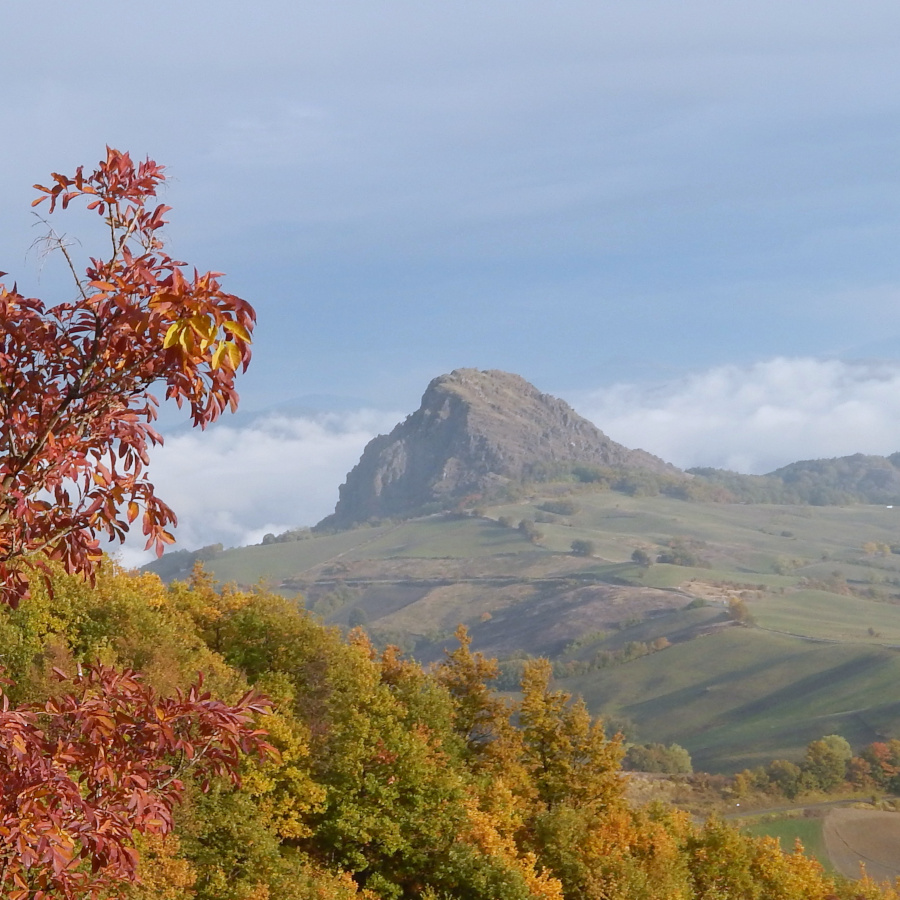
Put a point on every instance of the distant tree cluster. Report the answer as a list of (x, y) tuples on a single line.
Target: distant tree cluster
[(828, 765), (289, 536), (683, 552), (609, 656), (741, 488), (634, 482), (671, 759), (820, 482), (823, 482), (330, 601), (179, 563), (876, 548), (739, 611), (564, 507), (531, 531), (642, 558), (584, 547)]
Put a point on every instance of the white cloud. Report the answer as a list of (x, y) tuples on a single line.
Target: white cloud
[(759, 417), (234, 484)]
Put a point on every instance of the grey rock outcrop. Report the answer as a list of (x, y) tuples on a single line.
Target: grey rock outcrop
[(474, 430)]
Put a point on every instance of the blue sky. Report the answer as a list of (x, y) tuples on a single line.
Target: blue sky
[(671, 215)]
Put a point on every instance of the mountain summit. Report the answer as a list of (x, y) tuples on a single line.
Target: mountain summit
[(474, 431)]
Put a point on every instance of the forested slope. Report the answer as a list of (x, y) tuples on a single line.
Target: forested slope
[(392, 781)]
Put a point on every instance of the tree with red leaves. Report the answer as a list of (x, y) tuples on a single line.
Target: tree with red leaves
[(76, 407), (81, 775)]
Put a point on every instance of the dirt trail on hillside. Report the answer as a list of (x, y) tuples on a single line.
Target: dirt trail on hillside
[(869, 836)]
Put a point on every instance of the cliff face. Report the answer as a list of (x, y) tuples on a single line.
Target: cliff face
[(474, 430)]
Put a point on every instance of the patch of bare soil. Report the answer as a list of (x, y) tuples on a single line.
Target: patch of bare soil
[(711, 592), (867, 836)]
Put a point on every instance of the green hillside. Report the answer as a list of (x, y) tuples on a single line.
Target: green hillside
[(658, 645), (742, 697)]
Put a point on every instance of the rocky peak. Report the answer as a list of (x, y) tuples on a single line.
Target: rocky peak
[(474, 430)]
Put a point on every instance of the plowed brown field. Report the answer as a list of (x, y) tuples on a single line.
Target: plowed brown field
[(871, 837)]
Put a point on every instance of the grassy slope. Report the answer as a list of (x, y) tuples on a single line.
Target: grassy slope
[(429, 538), (735, 697), (742, 697), (743, 540), (821, 614)]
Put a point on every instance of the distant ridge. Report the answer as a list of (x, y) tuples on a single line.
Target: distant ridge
[(474, 431), (846, 479), (839, 481)]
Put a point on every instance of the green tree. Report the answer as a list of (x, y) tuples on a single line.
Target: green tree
[(786, 777), (739, 611), (642, 558), (680, 552), (825, 762), (672, 759), (357, 618), (480, 717), (569, 755), (584, 548)]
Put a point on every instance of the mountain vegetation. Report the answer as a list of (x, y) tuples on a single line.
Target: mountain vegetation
[(820, 482), (390, 781)]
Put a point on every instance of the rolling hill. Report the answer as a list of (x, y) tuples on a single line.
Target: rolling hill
[(745, 629)]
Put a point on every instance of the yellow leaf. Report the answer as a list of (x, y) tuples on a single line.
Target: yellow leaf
[(238, 329), (217, 356), (172, 335), (203, 327), (234, 355)]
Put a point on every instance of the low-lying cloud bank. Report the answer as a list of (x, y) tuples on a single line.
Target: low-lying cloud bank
[(234, 484), (756, 418)]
